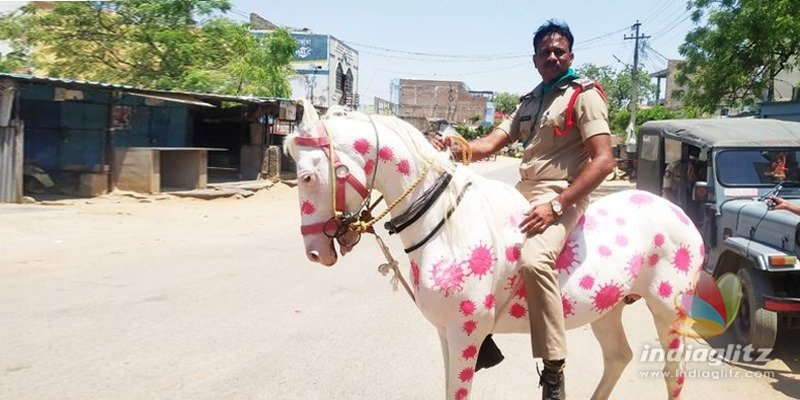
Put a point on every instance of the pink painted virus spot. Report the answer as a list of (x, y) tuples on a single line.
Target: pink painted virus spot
[(403, 167), (659, 239), (415, 274), (517, 311), (622, 240), (682, 260), (602, 212), (653, 260), (681, 378), (369, 167), (607, 296), (461, 393), (681, 215), (568, 257), (481, 260), (386, 154), (469, 327), (641, 199), (488, 302), (604, 251), (467, 307), (520, 292), (621, 221), (466, 374), (470, 352), (677, 392), (664, 289), (513, 253), (447, 277), (587, 282), (307, 208), (590, 224), (362, 146), (635, 265), (674, 344), (568, 306)]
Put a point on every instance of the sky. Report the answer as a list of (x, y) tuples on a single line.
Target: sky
[(488, 47)]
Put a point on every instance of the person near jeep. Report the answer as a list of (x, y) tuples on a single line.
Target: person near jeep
[(563, 125), (779, 203)]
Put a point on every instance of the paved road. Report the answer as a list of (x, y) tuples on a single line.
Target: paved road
[(187, 299)]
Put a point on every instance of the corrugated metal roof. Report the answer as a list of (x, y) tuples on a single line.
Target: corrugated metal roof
[(727, 132), (180, 96)]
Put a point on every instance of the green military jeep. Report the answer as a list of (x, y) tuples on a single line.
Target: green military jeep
[(722, 173)]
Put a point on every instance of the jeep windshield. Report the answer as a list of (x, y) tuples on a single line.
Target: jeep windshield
[(758, 167)]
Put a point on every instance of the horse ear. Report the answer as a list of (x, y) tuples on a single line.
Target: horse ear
[(310, 116)]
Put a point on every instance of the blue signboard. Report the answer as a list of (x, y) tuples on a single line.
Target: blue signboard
[(310, 47)]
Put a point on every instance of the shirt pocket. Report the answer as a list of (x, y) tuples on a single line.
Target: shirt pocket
[(548, 123)]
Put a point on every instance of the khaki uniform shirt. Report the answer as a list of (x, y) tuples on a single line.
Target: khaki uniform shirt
[(548, 156)]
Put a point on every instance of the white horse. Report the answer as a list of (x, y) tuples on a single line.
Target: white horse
[(464, 244)]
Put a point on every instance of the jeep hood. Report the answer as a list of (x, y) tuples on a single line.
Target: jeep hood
[(774, 228)]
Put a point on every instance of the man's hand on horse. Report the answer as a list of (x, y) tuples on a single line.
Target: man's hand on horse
[(537, 219), (443, 142)]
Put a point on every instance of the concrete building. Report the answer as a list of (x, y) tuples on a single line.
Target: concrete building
[(327, 68), (448, 100)]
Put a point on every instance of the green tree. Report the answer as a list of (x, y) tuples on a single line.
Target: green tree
[(617, 84), (506, 102), (733, 59), (167, 44)]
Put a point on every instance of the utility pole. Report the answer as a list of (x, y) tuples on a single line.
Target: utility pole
[(630, 141)]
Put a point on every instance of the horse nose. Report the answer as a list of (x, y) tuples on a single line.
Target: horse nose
[(313, 256)]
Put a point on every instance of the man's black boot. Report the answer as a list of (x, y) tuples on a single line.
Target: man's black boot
[(489, 355), (552, 380)]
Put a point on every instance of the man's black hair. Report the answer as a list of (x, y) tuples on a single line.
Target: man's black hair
[(550, 27)]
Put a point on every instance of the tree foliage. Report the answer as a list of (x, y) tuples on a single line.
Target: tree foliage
[(744, 44), (166, 44), (506, 102), (618, 83)]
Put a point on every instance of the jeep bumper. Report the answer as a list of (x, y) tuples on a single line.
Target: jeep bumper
[(782, 304)]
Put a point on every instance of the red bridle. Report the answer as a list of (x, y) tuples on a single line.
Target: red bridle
[(342, 179)]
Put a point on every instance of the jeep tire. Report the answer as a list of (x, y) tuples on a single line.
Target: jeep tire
[(754, 325)]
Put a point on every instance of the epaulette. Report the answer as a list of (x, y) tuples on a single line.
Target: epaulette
[(581, 85), (526, 96), (584, 83)]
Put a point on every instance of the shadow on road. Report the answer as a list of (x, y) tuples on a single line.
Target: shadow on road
[(786, 352)]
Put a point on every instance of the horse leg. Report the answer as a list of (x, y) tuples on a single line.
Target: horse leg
[(673, 344), (445, 359), (461, 351), (616, 351)]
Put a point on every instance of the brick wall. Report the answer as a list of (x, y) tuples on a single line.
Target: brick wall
[(448, 100)]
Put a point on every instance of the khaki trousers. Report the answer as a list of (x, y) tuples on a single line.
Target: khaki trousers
[(538, 256)]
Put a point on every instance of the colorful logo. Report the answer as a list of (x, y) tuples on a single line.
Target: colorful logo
[(710, 307)]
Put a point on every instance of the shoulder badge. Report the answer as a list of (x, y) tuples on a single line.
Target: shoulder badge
[(526, 96)]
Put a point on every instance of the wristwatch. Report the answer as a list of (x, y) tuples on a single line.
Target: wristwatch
[(558, 209)]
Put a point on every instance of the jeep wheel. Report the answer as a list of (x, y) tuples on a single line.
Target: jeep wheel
[(753, 324)]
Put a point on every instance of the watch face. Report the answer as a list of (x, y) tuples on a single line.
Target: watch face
[(556, 207)]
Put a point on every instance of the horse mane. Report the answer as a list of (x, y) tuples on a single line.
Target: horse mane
[(456, 230)]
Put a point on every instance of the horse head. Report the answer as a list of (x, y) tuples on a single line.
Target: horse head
[(331, 186)]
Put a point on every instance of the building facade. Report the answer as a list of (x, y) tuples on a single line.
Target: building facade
[(448, 100)]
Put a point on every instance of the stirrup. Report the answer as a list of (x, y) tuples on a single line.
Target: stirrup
[(489, 354)]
